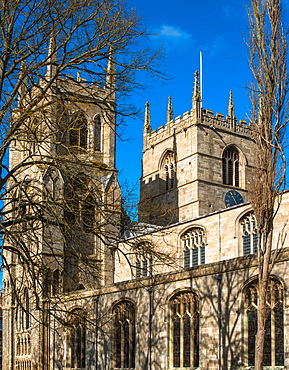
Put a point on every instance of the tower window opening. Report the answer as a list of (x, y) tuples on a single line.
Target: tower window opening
[(230, 162), (78, 131), (170, 171), (97, 133)]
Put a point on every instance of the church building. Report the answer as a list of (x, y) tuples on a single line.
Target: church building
[(175, 290)]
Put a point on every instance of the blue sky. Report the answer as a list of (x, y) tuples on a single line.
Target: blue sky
[(183, 28)]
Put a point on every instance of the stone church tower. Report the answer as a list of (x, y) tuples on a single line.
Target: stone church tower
[(192, 162), (70, 145)]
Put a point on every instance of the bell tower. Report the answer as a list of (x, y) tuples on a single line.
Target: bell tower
[(192, 162)]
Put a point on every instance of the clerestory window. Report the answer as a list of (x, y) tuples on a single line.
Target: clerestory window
[(144, 265), (194, 247), (249, 233), (231, 166)]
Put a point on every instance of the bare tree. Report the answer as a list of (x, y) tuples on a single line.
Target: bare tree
[(268, 63), (58, 59)]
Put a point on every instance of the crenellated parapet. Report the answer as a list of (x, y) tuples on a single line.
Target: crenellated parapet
[(196, 116), (218, 121), (207, 117)]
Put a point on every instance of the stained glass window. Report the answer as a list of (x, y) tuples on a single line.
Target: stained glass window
[(124, 335), (184, 330), (249, 233), (274, 336)]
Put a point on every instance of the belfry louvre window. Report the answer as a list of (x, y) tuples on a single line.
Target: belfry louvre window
[(231, 166), (124, 335), (184, 313), (78, 131), (78, 339), (170, 170), (249, 233), (97, 133), (194, 247), (274, 337)]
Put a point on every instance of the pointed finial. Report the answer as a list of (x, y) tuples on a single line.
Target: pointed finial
[(197, 99), (147, 119), (23, 83), (197, 92), (231, 110), (110, 73), (51, 60), (170, 112)]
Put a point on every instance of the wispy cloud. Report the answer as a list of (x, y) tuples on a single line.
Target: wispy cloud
[(171, 37)]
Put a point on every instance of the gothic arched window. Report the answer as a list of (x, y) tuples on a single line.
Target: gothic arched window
[(124, 335), (231, 166), (194, 247), (184, 321), (274, 337), (78, 131), (52, 181), (249, 233), (170, 170), (144, 260), (80, 203), (97, 133), (77, 339)]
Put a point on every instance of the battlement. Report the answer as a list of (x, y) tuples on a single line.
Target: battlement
[(182, 122), (227, 123)]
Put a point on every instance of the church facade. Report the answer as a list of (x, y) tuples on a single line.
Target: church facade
[(178, 289)]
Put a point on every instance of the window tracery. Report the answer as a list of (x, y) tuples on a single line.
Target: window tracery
[(170, 170), (124, 335), (184, 313), (231, 166), (78, 131), (78, 339), (274, 337), (249, 233), (52, 181), (144, 265), (80, 210), (194, 247)]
